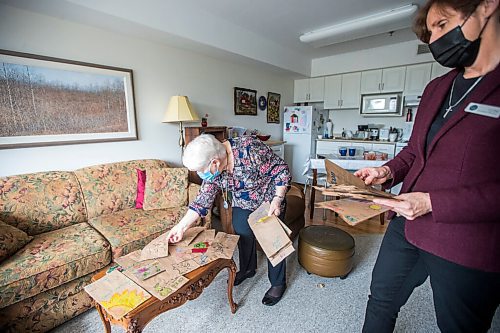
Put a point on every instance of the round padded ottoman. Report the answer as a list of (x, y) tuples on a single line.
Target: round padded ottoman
[(326, 251)]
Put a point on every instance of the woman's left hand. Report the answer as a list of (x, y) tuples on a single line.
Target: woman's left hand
[(275, 208), (409, 205)]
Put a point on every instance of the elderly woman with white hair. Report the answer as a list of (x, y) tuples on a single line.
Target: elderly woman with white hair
[(247, 172)]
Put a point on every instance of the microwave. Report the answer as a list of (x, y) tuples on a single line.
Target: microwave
[(382, 105)]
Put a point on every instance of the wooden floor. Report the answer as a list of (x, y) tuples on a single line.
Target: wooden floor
[(372, 226)]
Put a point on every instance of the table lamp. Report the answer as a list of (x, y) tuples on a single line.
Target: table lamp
[(180, 109)]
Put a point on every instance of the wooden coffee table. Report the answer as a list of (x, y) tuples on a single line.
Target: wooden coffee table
[(138, 318)]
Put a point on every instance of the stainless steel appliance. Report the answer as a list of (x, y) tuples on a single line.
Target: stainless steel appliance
[(381, 105)]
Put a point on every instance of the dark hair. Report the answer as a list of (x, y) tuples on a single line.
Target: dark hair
[(466, 7)]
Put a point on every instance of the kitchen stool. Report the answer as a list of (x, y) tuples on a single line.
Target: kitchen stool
[(326, 251)]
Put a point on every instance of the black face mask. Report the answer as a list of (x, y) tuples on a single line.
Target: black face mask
[(454, 50)]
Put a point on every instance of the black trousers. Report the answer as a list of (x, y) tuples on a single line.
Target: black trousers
[(465, 300), (247, 248)]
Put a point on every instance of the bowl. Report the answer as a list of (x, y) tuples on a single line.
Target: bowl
[(263, 137)]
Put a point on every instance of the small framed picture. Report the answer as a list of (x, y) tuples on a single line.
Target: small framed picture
[(245, 102), (273, 107)]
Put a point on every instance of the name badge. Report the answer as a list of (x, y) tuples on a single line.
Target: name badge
[(483, 110)]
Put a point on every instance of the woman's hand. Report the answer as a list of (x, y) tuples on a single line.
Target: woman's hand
[(374, 176), (409, 205), (176, 233), (275, 208)]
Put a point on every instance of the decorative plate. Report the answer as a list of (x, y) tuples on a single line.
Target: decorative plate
[(262, 103)]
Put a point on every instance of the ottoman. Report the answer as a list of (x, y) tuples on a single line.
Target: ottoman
[(326, 251)]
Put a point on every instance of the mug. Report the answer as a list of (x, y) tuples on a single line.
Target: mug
[(343, 151), (352, 151)]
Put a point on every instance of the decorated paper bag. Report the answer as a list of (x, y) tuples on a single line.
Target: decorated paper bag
[(270, 234), (222, 246), (354, 211), (117, 294), (157, 248), (190, 235)]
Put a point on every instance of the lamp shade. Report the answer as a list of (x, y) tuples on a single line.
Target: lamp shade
[(179, 109), (391, 20)]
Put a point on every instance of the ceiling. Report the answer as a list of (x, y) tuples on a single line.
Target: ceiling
[(262, 31)]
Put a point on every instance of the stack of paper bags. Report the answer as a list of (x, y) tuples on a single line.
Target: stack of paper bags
[(358, 207), (271, 233)]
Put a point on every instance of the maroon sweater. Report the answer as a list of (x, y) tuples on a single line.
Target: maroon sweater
[(461, 172)]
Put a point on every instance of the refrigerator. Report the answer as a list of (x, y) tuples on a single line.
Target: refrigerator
[(301, 127)]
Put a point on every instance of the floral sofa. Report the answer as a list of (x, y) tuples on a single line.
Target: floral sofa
[(72, 224)]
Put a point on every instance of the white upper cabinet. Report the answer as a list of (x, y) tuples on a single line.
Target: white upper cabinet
[(393, 79), (309, 90), (417, 77), (371, 81), (342, 91), (438, 70), (351, 87), (383, 80), (333, 91)]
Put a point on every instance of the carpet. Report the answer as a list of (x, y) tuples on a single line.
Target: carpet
[(311, 304)]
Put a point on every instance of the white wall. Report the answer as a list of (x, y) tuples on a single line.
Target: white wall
[(398, 54), (160, 71)]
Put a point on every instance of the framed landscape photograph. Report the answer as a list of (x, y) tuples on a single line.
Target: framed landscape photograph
[(245, 102), (273, 107), (51, 101)]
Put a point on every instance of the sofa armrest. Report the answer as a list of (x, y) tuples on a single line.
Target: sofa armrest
[(193, 191)]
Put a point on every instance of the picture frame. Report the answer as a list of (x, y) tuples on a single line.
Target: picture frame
[(51, 101), (273, 107), (245, 102)]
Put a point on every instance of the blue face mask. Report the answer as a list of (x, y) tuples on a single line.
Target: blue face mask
[(208, 175)]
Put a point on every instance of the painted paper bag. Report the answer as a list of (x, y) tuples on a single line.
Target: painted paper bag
[(270, 234), (354, 211), (117, 294), (157, 248)]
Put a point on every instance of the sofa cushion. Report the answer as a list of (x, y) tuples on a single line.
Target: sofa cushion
[(50, 260), (55, 194), (165, 188), (132, 229), (109, 188), (11, 240)]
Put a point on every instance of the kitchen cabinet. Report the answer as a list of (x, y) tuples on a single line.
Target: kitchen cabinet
[(438, 70), (342, 91), (309, 90), (383, 80), (417, 77)]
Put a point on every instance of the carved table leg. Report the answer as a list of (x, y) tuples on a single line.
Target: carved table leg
[(105, 321), (133, 326), (230, 285)]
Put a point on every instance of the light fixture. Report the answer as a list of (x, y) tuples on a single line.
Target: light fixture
[(180, 109), (394, 19)]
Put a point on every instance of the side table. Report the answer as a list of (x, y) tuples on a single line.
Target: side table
[(138, 318)]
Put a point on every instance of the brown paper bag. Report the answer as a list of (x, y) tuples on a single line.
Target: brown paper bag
[(270, 234), (354, 211), (117, 294), (157, 248)]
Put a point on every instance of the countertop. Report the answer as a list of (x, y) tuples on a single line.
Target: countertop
[(274, 143), (357, 140)]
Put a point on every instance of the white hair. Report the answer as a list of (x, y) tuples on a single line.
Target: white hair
[(201, 151)]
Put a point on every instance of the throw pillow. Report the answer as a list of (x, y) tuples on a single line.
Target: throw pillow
[(166, 188), (141, 185), (11, 240)]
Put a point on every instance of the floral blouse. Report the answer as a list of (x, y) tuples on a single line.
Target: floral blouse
[(257, 171)]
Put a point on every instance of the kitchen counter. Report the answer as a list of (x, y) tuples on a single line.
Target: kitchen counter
[(357, 140), (274, 143)]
